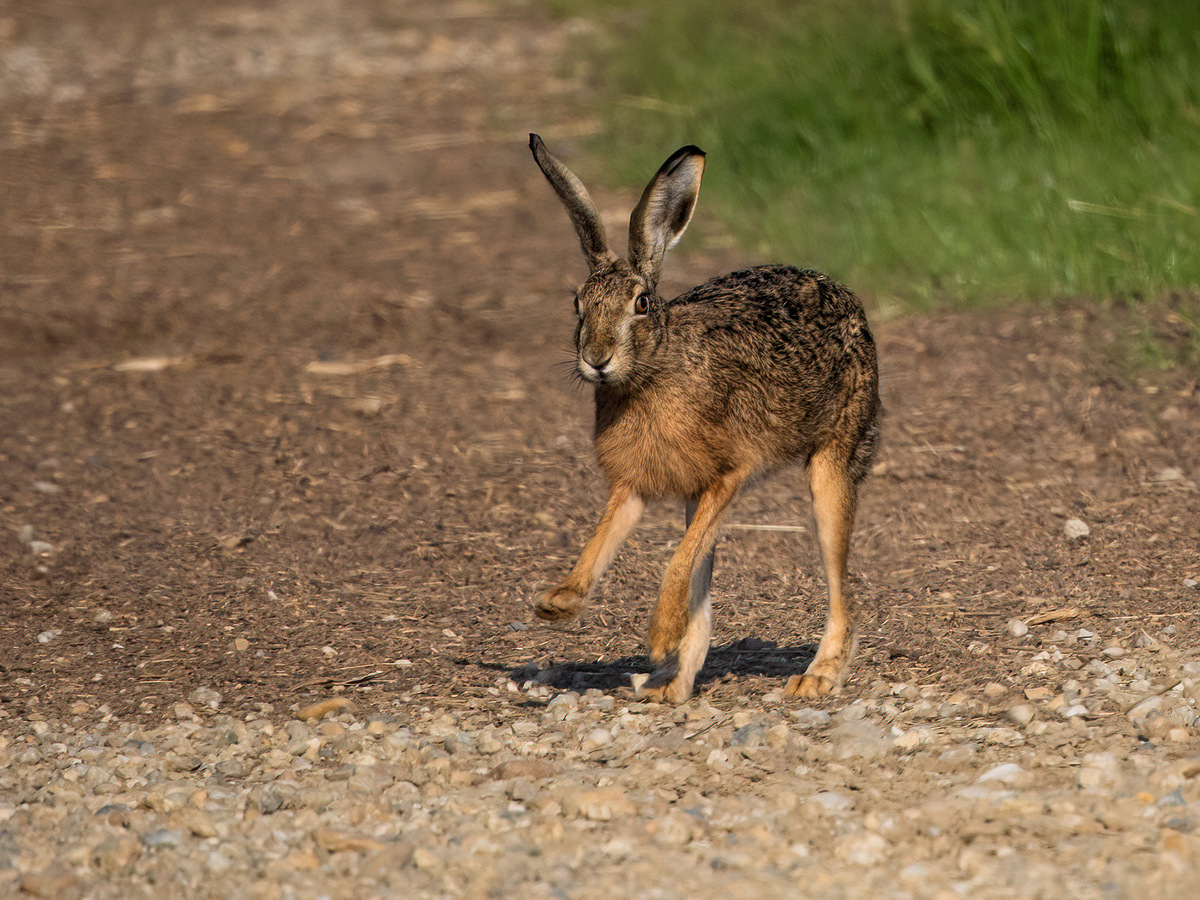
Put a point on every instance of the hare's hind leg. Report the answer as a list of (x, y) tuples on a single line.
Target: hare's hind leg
[(693, 649), (673, 681), (620, 515), (681, 624), (834, 499)]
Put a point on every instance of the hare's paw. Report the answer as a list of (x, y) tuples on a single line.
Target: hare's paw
[(823, 677), (564, 602), (676, 692), (825, 672), (808, 685), (666, 684)]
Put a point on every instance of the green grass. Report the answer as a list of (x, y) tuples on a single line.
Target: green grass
[(928, 152)]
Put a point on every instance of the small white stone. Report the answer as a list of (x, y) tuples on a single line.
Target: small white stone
[(831, 801), (908, 741), (864, 849), (1075, 529), (205, 696), (915, 874), (425, 858), (807, 717), (1017, 628), (778, 736), (676, 828), (597, 738), (1005, 773), (1143, 708), (1099, 771), (718, 759)]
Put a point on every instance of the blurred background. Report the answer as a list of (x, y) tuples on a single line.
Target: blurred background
[(931, 153)]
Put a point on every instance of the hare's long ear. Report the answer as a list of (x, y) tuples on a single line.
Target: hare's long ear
[(579, 206), (666, 207)]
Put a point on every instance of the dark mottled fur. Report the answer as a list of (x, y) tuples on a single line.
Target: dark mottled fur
[(749, 372)]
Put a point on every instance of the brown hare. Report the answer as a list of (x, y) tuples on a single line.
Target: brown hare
[(745, 374)]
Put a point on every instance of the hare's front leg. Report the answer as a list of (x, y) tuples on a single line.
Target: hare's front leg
[(834, 498), (622, 512), (682, 621)]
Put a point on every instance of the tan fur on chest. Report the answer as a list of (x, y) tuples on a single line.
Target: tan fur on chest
[(660, 448)]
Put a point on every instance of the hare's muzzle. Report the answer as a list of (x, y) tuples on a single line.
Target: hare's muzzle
[(596, 363)]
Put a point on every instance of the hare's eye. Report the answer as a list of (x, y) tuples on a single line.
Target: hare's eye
[(641, 304), (576, 304)]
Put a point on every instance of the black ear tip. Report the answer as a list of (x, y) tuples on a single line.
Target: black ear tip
[(679, 157), (534, 140)]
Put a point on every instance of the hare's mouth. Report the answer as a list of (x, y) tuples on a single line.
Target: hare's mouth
[(595, 374), (607, 370)]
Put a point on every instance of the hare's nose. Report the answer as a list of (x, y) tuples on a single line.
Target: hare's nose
[(596, 358)]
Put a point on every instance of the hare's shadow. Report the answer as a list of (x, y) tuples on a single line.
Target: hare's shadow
[(743, 658)]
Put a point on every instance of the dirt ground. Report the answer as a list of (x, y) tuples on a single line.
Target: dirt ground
[(284, 312)]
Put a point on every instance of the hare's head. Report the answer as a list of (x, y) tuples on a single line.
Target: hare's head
[(621, 315)]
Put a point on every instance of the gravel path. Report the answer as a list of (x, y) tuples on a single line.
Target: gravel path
[(1084, 784)]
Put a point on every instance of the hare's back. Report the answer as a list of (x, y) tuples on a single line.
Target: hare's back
[(781, 356), (774, 311)]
